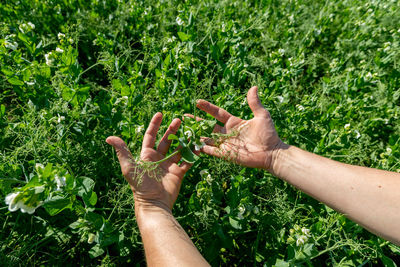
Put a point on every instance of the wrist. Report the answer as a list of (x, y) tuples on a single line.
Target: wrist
[(276, 158), (144, 207), (149, 216)]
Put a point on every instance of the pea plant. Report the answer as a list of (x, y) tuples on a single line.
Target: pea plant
[(188, 138), (185, 141)]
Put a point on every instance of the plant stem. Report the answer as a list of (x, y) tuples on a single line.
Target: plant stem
[(168, 157)]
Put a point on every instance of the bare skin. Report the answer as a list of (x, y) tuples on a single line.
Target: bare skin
[(368, 196), (162, 235)]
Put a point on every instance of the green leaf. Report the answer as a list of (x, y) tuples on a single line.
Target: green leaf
[(281, 263), (7, 71), (90, 198), (2, 111), (394, 249), (95, 219), (234, 223), (86, 186), (173, 137), (388, 262), (48, 171), (96, 251), (183, 36), (57, 204), (125, 90), (136, 99), (15, 81), (188, 155), (167, 60), (67, 93)]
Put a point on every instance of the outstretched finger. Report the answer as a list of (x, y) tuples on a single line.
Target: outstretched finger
[(211, 150), (164, 144), (150, 136), (255, 103), (219, 113), (217, 128), (124, 155)]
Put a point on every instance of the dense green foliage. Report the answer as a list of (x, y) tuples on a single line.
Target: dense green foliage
[(328, 71)]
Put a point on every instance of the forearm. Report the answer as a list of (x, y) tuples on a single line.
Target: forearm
[(368, 196), (165, 242)]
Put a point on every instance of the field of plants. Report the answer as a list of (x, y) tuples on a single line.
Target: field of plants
[(73, 72)]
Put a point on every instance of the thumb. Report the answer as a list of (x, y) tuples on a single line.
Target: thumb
[(124, 155), (255, 103)]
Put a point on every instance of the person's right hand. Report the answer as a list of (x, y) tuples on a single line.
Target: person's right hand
[(249, 143)]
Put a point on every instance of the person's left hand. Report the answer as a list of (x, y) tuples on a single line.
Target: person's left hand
[(163, 191)]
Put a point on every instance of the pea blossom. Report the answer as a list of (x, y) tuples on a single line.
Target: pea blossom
[(179, 21), (60, 181), (49, 58), (301, 240), (188, 133), (14, 202)]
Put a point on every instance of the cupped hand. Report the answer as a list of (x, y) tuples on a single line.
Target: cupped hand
[(152, 185), (251, 143)]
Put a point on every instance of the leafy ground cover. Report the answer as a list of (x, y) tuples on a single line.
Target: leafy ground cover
[(73, 72)]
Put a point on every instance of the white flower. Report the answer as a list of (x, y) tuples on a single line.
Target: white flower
[(301, 240), (30, 83), (91, 238), (49, 58), (242, 209), (139, 129), (172, 39), (10, 201), (39, 189), (165, 50), (388, 150), (241, 212), (306, 231), (71, 41), (281, 51), (13, 205), (347, 126), (198, 147), (179, 21), (31, 25), (357, 134), (60, 118), (280, 98), (203, 172), (188, 133), (60, 35), (39, 165), (59, 50), (300, 107), (181, 66), (11, 45), (60, 182), (23, 27), (26, 27)]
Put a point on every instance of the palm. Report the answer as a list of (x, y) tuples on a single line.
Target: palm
[(159, 185), (249, 143), (166, 187)]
